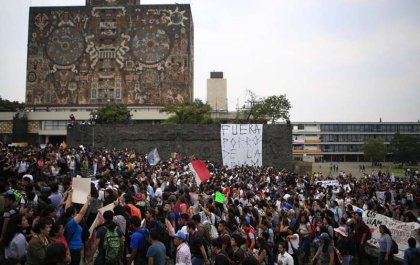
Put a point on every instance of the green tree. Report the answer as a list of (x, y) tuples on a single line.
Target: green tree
[(272, 108), (112, 114), (374, 149), (275, 107), (405, 149), (195, 112), (10, 106)]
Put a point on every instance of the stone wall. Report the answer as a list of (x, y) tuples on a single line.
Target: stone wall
[(203, 141)]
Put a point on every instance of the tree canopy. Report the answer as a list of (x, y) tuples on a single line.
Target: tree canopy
[(10, 106), (374, 149), (272, 108), (405, 148), (195, 112), (112, 114)]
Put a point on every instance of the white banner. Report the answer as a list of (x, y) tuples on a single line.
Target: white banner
[(241, 144), (326, 183), (400, 231)]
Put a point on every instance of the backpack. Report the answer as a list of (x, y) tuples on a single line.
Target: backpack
[(394, 247), (112, 245), (414, 258), (210, 230)]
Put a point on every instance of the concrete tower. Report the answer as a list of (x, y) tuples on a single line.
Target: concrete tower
[(217, 91)]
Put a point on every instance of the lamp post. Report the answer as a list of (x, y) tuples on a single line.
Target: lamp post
[(92, 120)]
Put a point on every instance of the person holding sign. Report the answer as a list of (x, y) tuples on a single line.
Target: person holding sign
[(71, 220)]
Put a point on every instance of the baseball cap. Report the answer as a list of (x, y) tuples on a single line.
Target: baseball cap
[(181, 235)]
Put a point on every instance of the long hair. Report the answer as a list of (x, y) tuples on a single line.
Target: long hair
[(386, 230), (13, 227)]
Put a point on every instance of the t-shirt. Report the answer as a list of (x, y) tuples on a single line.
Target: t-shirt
[(158, 251), (73, 233), (196, 241), (222, 259)]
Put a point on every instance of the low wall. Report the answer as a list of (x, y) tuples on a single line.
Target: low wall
[(203, 141)]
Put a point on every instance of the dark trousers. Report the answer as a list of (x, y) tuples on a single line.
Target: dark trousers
[(76, 255)]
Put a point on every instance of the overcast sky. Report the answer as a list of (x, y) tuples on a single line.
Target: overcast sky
[(335, 60)]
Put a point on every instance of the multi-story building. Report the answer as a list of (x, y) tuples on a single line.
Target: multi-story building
[(343, 141), (217, 92)]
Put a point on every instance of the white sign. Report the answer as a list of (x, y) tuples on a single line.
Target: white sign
[(400, 231), (381, 196), (81, 189), (327, 183), (241, 144), (99, 219)]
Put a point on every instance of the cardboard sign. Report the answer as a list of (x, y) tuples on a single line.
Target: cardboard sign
[(81, 189)]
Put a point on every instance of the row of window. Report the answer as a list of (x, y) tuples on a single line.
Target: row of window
[(353, 137), (370, 127)]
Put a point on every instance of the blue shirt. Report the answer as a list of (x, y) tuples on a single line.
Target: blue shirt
[(73, 233), (158, 251), (138, 240), (407, 254)]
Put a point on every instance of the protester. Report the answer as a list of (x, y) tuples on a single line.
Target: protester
[(183, 254), (14, 240), (39, 243), (385, 245), (156, 253), (263, 208)]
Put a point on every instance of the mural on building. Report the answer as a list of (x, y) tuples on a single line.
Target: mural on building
[(93, 55)]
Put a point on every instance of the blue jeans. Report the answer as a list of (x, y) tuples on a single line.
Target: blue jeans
[(197, 261), (347, 259)]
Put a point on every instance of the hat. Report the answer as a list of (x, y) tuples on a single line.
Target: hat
[(137, 197), (10, 195), (341, 230), (323, 236), (181, 235)]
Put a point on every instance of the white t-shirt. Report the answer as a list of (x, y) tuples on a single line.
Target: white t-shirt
[(293, 243)]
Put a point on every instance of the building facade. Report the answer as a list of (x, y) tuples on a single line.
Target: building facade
[(109, 51), (340, 141), (217, 91)]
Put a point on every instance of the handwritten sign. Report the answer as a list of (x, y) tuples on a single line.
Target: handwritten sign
[(241, 144)]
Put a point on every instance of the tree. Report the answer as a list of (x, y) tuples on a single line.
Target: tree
[(405, 148), (112, 114), (374, 149), (195, 112), (272, 108), (10, 106), (275, 107)]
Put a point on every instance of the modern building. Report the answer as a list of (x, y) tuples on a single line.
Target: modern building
[(343, 141), (217, 92)]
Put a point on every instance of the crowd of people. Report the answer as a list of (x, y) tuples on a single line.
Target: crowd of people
[(159, 215)]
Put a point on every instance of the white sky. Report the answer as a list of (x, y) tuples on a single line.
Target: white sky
[(336, 60)]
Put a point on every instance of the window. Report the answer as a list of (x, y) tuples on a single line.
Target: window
[(118, 93), (94, 94)]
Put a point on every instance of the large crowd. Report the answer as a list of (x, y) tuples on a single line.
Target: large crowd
[(159, 215)]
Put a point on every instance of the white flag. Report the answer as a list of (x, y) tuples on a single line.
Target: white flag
[(153, 157)]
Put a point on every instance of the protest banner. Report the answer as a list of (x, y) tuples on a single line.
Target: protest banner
[(400, 231), (219, 197), (81, 189), (327, 183), (241, 144)]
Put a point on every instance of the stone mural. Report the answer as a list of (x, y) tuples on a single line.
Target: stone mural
[(110, 51), (203, 141)]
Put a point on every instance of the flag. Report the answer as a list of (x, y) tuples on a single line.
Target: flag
[(153, 157), (199, 170)]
